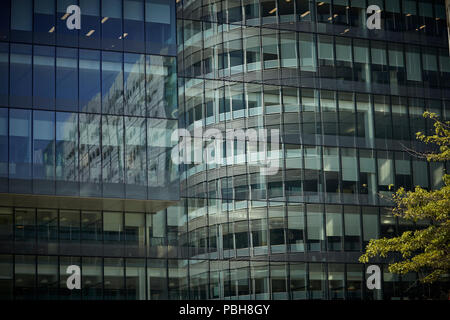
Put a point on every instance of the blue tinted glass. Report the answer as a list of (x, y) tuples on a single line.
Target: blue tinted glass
[(66, 152), (20, 144), (3, 142), (162, 172), (133, 24), (43, 145), (4, 61), (113, 156), (160, 26), (44, 77), (5, 12), (161, 79), (112, 83), (112, 24), (90, 157), (89, 81), (21, 20), (134, 84), (44, 21), (66, 79), (90, 26), (135, 157), (64, 36), (21, 79)]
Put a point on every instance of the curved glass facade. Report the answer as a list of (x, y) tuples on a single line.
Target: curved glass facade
[(87, 175)]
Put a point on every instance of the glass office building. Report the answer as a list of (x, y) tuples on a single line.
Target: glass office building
[(87, 175)]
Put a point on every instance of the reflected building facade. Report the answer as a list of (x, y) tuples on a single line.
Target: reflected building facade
[(86, 121)]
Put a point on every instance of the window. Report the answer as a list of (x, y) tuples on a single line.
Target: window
[(370, 224), (413, 66), (307, 48), (3, 149), (135, 157), (135, 279), (352, 228), (349, 175), (43, 152), (90, 159), (367, 177), (296, 228), (20, 143), (21, 20), (379, 63), (66, 159), (44, 21), (336, 281), (67, 79), (112, 83), (4, 73), (365, 121), (270, 49), (112, 34), (314, 219), (279, 276), (162, 172), (161, 81), (134, 84), (326, 56), (89, 81), (334, 228), (20, 76), (298, 280), (361, 65), (354, 281), (160, 26), (113, 156), (90, 27), (92, 278), (344, 58), (133, 25), (317, 281)]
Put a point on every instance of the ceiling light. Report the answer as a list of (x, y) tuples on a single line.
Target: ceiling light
[(90, 33), (105, 19), (64, 17), (305, 14), (51, 30), (273, 10)]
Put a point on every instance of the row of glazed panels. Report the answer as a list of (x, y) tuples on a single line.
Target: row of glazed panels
[(144, 26), (308, 116), (256, 55), (44, 277), (68, 79), (193, 229), (79, 154), (424, 17)]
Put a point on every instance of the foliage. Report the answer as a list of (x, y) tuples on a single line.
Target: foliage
[(425, 251)]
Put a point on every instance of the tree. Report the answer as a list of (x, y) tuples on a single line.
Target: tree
[(425, 251)]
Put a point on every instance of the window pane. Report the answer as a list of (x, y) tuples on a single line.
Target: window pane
[(67, 153), (135, 157), (20, 75), (90, 158), (134, 86), (4, 73), (66, 79), (89, 81), (113, 156), (160, 26), (112, 83), (43, 151), (20, 145)]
